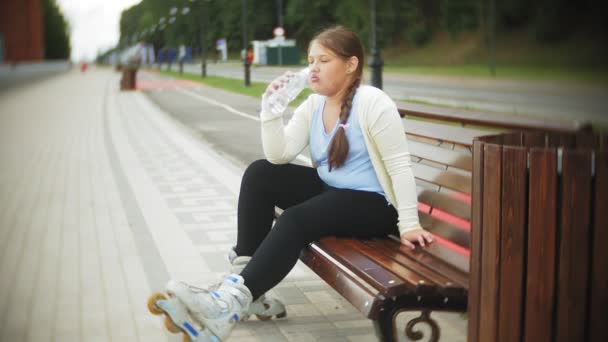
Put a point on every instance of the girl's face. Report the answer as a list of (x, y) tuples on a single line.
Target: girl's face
[(329, 74)]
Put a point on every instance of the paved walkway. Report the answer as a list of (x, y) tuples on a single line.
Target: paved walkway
[(103, 198)]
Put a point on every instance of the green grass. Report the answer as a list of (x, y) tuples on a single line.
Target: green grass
[(256, 89), (530, 73), (518, 55)]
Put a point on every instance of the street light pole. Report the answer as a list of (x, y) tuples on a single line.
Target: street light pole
[(375, 62), (280, 14), (245, 59), (205, 9)]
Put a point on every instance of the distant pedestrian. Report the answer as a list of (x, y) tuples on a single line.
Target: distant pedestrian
[(250, 56)]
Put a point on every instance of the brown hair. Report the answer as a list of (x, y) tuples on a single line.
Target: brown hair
[(345, 44)]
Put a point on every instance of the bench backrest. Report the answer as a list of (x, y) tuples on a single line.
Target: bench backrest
[(440, 141), (442, 163)]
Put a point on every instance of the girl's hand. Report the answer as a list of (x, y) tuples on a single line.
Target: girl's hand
[(274, 86), (278, 82), (420, 236)]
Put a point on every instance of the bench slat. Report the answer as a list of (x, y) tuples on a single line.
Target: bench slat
[(575, 245), (445, 230), (483, 118), (457, 159), (599, 296), (446, 178), (540, 286), (349, 253), (452, 134), (419, 282), (445, 202), (512, 266), (441, 251), (437, 270), (490, 244), (351, 288), (473, 305)]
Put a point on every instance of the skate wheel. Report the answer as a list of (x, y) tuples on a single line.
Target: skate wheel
[(263, 318), (172, 327), (152, 303)]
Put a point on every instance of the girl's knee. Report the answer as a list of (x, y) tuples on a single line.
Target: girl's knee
[(290, 223), (259, 168), (257, 173)]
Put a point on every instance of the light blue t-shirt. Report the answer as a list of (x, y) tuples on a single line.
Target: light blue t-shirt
[(357, 173)]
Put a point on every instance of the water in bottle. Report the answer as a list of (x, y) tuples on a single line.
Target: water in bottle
[(281, 97)]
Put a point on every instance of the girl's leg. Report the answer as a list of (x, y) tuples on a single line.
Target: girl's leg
[(264, 186), (335, 212)]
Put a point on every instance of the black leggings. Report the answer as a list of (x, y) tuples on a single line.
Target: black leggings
[(312, 210)]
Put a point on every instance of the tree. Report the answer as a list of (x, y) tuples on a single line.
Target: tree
[(56, 32)]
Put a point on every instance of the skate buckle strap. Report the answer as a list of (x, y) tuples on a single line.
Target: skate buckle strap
[(234, 280), (190, 329), (235, 292)]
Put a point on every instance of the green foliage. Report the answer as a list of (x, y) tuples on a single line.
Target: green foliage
[(551, 17), (419, 35), (460, 16), (56, 32), (399, 22)]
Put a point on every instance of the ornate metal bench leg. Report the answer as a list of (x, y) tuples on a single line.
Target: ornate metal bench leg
[(425, 317), (384, 326)]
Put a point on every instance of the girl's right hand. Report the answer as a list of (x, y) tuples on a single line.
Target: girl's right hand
[(420, 236), (274, 86), (278, 82)]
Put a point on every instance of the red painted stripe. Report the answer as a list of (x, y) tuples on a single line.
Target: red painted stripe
[(461, 196), (453, 246), (423, 207), (445, 217), (158, 84), (452, 219)]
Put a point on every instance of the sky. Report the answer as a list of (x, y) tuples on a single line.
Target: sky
[(93, 25)]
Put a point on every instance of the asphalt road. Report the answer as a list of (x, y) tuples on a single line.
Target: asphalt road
[(226, 121), (533, 98)]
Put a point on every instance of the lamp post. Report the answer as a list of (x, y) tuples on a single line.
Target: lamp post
[(204, 43), (205, 24), (245, 59), (172, 35), (280, 15), (182, 49), (375, 62)]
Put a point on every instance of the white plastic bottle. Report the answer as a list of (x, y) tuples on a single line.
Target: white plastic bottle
[(280, 98)]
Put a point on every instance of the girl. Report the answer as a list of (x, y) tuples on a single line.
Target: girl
[(361, 185)]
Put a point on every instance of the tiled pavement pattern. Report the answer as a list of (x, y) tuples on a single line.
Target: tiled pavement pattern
[(103, 198)]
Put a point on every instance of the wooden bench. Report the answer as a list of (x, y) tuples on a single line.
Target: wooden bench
[(381, 277)]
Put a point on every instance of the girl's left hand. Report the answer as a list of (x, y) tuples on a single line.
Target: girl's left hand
[(420, 236)]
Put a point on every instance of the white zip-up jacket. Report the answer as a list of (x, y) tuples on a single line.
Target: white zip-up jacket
[(384, 137)]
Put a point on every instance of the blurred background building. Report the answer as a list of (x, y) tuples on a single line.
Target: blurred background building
[(32, 31), (21, 31)]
